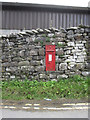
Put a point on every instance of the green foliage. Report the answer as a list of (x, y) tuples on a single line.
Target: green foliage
[(54, 36), (74, 87), (60, 45), (41, 42), (36, 41), (47, 39), (43, 35)]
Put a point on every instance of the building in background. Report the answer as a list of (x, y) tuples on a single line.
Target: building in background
[(16, 16)]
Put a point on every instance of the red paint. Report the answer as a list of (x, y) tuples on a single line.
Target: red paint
[(50, 57)]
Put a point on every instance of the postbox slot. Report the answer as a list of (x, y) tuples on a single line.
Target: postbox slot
[(50, 57)]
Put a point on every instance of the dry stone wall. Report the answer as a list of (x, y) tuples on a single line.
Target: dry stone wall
[(23, 54)]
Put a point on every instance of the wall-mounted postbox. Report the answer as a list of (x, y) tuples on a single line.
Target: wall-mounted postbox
[(50, 57)]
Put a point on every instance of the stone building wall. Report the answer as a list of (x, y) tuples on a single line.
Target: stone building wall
[(23, 54)]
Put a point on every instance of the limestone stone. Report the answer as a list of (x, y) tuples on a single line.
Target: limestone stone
[(24, 63), (50, 35), (40, 68), (80, 59), (70, 32), (63, 66), (78, 36), (12, 77), (79, 30), (21, 53), (70, 36), (62, 76), (35, 63), (42, 76), (87, 30), (79, 45), (52, 76), (33, 52), (59, 52), (70, 60), (80, 66), (54, 80), (29, 68), (85, 73), (60, 34), (41, 51), (67, 52)]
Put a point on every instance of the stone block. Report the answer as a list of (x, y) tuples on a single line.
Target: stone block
[(78, 36), (70, 32), (63, 66), (79, 45), (12, 77), (85, 73), (62, 76), (42, 76), (52, 76), (71, 44), (21, 53), (67, 52), (24, 63), (87, 30), (35, 63), (80, 59), (80, 66), (59, 52), (41, 51), (60, 34), (40, 68), (33, 52)]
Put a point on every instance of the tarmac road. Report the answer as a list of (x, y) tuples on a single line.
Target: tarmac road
[(7, 113)]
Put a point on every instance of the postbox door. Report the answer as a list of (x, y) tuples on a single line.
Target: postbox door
[(50, 61)]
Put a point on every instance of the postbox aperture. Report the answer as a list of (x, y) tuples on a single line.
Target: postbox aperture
[(50, 57)]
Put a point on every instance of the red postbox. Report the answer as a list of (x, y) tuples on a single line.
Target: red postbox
[(50, 57)]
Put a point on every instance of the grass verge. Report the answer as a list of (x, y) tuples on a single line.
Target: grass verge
[(72, 88)]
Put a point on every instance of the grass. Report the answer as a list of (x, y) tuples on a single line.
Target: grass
[(75, 87)]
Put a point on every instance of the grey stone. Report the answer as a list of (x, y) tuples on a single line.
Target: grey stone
[(78, 36), (27, 68), (79, 45), (41, 51), (62, 76), (12, 77), (87, 30), (42, 76), (71, 44), (63, 66), (40, 68), (35, 31), (59, 52), (80, 30), (54, 80), (50, 35), (67, 52), (80, 66), (85, 73), (33, 52), (35, 63), (48, 31), (80, 59), (70, 36), (21, 53), (60, 34), (52, 76), (70, 32), (24, 63)]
